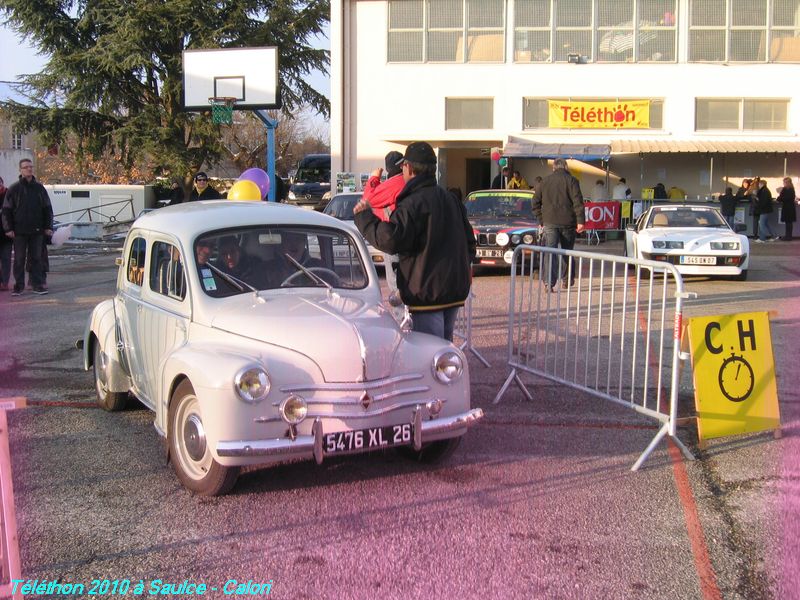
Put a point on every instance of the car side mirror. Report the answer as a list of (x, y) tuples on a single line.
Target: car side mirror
[(631, 226), (739, 227)]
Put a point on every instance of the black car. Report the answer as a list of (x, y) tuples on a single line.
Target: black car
[(501, 220), (311, 186)]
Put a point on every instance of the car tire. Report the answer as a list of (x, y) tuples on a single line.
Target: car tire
[(433, 452), (741, 276), (108, 400), (188, 452)]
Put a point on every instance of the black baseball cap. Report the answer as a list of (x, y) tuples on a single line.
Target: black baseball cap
[(419, 152), (200, 175), (393, 159)]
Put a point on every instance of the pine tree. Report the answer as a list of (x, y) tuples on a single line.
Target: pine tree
[(114, 75)]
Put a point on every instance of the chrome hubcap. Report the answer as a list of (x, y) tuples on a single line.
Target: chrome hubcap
[(194, 437)]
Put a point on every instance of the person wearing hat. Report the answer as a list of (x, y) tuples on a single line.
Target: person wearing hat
[(430, 232), (382, 197), (203, 191)]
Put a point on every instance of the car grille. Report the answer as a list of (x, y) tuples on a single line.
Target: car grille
[(345, 400), (487, 239)]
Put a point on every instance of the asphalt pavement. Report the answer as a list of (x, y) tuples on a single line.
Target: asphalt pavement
[(538, 502)]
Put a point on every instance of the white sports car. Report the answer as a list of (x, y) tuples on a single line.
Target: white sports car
[(696, 239), (255, 332)]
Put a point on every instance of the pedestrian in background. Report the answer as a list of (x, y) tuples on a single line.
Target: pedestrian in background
[(430, 232), (27, 219), (517, 182), (660, 192), (621, 191), (5, 248), (203, 191), (727, 206), (763, 210), (599, 191), (787, 199), (382, 198), (559, 210), (175, 193), (500, 180)]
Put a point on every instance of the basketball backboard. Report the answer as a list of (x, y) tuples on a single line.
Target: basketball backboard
[(248, 74)]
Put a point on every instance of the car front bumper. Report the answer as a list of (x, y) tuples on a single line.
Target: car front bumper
[(305, 446)]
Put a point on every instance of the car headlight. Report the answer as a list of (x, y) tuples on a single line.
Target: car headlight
[(294, 409), (725, 245), (501, 239), (527, 238), (252, 384), (292, 196), (667, 244), (447, 366), (515, 239)]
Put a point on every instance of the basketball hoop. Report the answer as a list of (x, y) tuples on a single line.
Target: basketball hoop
[(222, 109)]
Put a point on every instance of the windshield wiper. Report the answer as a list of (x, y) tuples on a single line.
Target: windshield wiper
[(313, 276), (234, 281)]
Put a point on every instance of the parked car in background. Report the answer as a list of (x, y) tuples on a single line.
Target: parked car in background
[(311, 182), (255, 332), (341, 207), (696, 239), (501, 220)]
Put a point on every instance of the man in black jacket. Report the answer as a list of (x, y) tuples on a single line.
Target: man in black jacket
[(27, 219), (559, 210), (430, 232), (203, 191)]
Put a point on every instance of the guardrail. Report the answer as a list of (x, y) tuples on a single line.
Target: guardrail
[(98, 211), (613, 333)]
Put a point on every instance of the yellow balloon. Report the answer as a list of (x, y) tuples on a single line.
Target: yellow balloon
[(245, 190)]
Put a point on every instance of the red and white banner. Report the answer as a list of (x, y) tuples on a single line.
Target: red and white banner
[(601, 215)]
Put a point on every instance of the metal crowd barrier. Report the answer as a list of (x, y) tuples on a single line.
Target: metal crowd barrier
[(463, 329), (613, 333), (97, 211)]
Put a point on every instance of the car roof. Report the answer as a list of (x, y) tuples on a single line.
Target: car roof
[(190, 219)]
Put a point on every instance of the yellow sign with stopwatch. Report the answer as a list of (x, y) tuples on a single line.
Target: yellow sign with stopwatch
[(734, 374)]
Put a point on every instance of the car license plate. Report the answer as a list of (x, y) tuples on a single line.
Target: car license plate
[(484, 253), (698, 260), (367, 439)]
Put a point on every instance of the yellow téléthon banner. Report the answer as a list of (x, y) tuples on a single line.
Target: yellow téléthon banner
[(734, 374), (624, 114)]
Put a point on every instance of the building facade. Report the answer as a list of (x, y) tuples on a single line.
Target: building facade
[(708, 86), (14, 146)]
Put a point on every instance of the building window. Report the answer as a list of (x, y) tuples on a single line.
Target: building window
[(744, 31), (469, 113), (599, 30), (16, 140), (535, 114), (446, 31), (740, 114)]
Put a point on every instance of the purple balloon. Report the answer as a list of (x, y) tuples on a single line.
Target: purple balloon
[(259, 177)]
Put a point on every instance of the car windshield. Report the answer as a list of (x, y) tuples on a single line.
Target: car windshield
[(313, 175), (499, 205), (341, 207), (686, 217), (237, 261)]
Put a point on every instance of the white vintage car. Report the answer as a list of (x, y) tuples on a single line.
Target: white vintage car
[(256, 333), (696, 239)]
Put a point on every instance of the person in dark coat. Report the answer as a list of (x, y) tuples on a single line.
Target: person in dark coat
[(203, 191), (430, 232), (660, 192), (27, 219), (175, 193), (787, 199), (559, 210), (763, 210), (500, 180), (727, 206), (5, 248)]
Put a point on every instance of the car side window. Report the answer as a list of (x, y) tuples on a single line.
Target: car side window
[(167, 273), (136, 257)]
